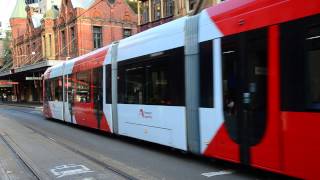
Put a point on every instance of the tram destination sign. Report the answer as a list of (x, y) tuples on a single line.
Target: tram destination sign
[(33, 78)]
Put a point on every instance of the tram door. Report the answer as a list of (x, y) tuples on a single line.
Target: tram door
[(97, 95), (244, 63), (69, 94)]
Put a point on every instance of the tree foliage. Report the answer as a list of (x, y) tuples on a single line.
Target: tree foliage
[(7, 49), (133, 4)]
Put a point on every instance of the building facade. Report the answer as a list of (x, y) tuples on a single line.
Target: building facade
[(152, 13), (45, 5), (49, 33), (81, 28)]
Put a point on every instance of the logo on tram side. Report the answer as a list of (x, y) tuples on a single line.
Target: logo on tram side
[(145, 114)]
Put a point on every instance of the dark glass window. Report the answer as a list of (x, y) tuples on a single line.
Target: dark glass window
[(73, 39), (63, 43), (83, 87), (300, 64), (50, 45), (156, 7), (97, 37), (55, 87), (192, 4), (69, 88), (313, 66), (145, 12), (48, 93), (245, 73), (156, 79), (168, 8), (206, 74), (134, 82), (97, 90), (127, 33), (108, 84)]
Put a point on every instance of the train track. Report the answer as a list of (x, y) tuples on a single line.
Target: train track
[(76, 151), (21, 160), (85, 155)]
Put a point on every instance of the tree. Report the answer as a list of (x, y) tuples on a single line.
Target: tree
[(133, 4), (6, 49)]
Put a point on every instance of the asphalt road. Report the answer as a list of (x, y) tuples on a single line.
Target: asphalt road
[(32, 147)]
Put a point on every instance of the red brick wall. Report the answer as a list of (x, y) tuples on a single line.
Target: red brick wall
[(113, 18), (18, 27), (25, 41)]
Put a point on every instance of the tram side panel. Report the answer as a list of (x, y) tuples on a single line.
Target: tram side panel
[(151, 98), (300, 96), (88, 88)]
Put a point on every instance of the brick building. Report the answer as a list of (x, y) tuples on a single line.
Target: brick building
[(152, 13), (45, 35), (80, 28)]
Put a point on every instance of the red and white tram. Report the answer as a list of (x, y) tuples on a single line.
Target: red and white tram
[(239, 82)]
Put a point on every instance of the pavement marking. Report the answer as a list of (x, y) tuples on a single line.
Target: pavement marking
[(88, 178), (52, 139), (69, 170), (217, 173)]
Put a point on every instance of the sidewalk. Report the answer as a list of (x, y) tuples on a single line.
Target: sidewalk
[(26, 105)]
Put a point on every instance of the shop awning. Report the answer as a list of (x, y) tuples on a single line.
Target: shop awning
[(8, 83)]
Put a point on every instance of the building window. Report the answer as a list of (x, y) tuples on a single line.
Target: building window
[(156, 7), (34, 48), (127, 33), (44, 45), (50, 45), (111, 1), (73, 39), (63, 43), (97, 37), (145, 12), (28, 50), (192, 3), (168, 8)]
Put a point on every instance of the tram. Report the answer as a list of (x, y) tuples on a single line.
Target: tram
[(240, 81)]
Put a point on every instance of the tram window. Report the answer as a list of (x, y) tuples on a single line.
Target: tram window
[(56, 89), (206, 74), (157, 83), (83, 87), (59, 89), (313, 66), (153, 80), (48, 94), (134, 82), (108, 84), (97, 84), (300, 64)]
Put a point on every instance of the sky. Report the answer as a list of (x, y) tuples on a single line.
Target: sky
[(6, 8)]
